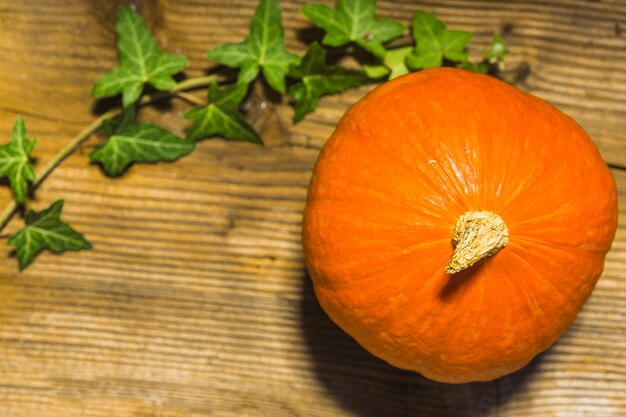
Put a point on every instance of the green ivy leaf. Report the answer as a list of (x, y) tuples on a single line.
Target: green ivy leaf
[(318, 79), (376, 71), (497, 51), (45, 230), (15, 162), (119, 123), (353, 21), (221, 116), (394, 64), (434, 42), (395, 60), (480, 67), (263, 48), (140, 61), (138, 142), (494, 56)]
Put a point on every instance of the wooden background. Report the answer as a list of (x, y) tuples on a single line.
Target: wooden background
[(195, 300)]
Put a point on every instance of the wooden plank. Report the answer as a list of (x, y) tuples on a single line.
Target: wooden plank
[(195, 301)]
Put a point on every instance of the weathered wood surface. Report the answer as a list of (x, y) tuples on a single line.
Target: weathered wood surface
[(195, 301)]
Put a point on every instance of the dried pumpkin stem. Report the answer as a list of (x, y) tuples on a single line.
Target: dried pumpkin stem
[(477, 234)]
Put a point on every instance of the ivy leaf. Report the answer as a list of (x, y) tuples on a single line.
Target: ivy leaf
[(434, 42), (393, 64), (140, 61), (353, 21), (318, 79), (138, 142), (15, 162), (395, 59), (480, 67), (119, 123), (45, 230), (494, 56), (497, 51), (263, 48), (221, 116), (376, 71)]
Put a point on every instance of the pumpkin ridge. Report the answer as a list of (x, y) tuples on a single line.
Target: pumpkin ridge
[(556, 246), (423, 175), (471, 306), (545, 218), (434, 278), (453, 189), (451, 171), (406, 207), (534, 308), (525, 176), (353, 182), (458, 194), (553, 333), (358, 281), (556, 289), (483, 316)]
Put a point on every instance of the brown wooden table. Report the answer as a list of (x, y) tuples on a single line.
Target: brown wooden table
[(195, 300)]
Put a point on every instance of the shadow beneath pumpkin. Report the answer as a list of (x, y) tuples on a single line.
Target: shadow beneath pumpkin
[(367, 386)]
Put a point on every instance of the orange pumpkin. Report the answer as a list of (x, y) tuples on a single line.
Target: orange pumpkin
[(455, 225)]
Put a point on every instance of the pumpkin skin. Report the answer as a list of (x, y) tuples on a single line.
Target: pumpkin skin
[(404, 163)]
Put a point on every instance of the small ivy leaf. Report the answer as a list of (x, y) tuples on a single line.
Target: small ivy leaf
[(45, 230), (138, 142), (395, 60), (453, 44), (15, 162), (116, 124), (394, 64), (419, 60), (140, 61), (494, 56), (376, 71), (480, 67), (263, 49), (353, 21), (221, 116), (497, 51), (318, 79), (434, 42)]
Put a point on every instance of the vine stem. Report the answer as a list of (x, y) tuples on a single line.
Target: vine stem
[(189, 98), (176, 91)]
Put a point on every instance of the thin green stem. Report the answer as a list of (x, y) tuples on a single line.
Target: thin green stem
[(7, 213), (189, 98), (189, 84), (193, 83), (73, 145)]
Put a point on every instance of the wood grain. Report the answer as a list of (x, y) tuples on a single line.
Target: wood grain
[(195, 300)]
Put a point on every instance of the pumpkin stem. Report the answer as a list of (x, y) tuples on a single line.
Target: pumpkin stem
[(477, 234)]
